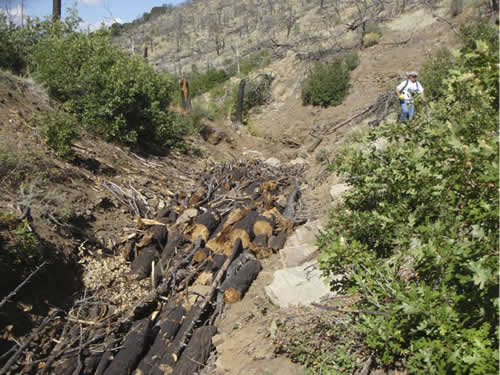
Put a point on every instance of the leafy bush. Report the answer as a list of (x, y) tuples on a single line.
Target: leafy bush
[(417, 237), (351, 60), (327, 85), (435, 71), (200, 83), (113, 94), (370, 39), (60, 129), (479, 31)]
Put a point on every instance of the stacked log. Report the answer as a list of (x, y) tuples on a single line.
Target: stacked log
[(212, 236)]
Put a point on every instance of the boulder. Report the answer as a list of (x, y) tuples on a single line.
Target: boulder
[(337, 190), (300, 285)]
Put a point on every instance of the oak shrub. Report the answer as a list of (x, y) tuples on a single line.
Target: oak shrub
[(417, 236)]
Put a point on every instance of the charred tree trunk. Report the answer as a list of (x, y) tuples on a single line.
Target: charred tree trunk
[(239, 103), (205, 225), (169, 324), (197, 351), (56, 10), (244, 229), (133, 347), (236, 286), (186, 100)]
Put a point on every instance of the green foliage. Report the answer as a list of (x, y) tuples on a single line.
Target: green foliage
[(115, 95), (370, 39), (60, 129), (351, 60), (200, 83), (472, 32), (18, 164), (435, 71), (326, 85), (417, 237), (22, 248)]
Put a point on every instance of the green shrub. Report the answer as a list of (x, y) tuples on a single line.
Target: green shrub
[(115, 95), (417, 237), (22, 248), (60, 129), (351, 60), (373, 28), (370, 39), (200, 83), (326, 85), (479, 31), (435, 71)]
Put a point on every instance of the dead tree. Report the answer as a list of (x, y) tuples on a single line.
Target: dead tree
[(185, 99), (239, 103), (56, 10)]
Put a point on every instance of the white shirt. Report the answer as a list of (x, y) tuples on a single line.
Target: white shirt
[(411, 89)]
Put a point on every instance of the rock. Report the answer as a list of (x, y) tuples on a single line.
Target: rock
[(273, 162), (337, 190), (253, 154), (299, 247), (297, 161), (186, 216), (300, 285)]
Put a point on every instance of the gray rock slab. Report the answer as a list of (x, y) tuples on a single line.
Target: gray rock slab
[(337, 190), (300, 285), (300, 246)]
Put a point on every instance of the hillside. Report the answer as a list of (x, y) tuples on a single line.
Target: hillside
[(198, 259)]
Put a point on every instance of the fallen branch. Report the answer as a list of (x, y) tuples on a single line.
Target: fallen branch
[(352, 311), (343, 123), (14, 292), (19, 351), (183, 342)]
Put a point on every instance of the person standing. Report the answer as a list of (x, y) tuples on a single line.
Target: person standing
[(407, 90)]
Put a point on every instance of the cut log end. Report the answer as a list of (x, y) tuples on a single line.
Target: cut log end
[(232, 295)]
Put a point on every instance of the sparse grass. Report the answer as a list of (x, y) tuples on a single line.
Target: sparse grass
[(370, 39)]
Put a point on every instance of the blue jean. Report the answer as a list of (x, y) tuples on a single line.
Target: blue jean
[(407, 110)]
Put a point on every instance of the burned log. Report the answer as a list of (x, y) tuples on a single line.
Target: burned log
[(169, 356), (263, 225), (244, 229), (197, 351), (278, 241), (236, 286), (127, 250), (133, 348), (204, 225), (168, 325), (201, 255), (260, 240), (141, 266), (175, 241)]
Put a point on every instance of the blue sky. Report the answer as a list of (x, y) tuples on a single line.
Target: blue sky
[(93, 12)]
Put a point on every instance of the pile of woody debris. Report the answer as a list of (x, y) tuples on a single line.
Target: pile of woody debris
[(178, 268)]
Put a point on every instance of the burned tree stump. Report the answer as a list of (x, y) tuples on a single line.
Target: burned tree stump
[(133, 347), (197, 351), (236, 286)]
